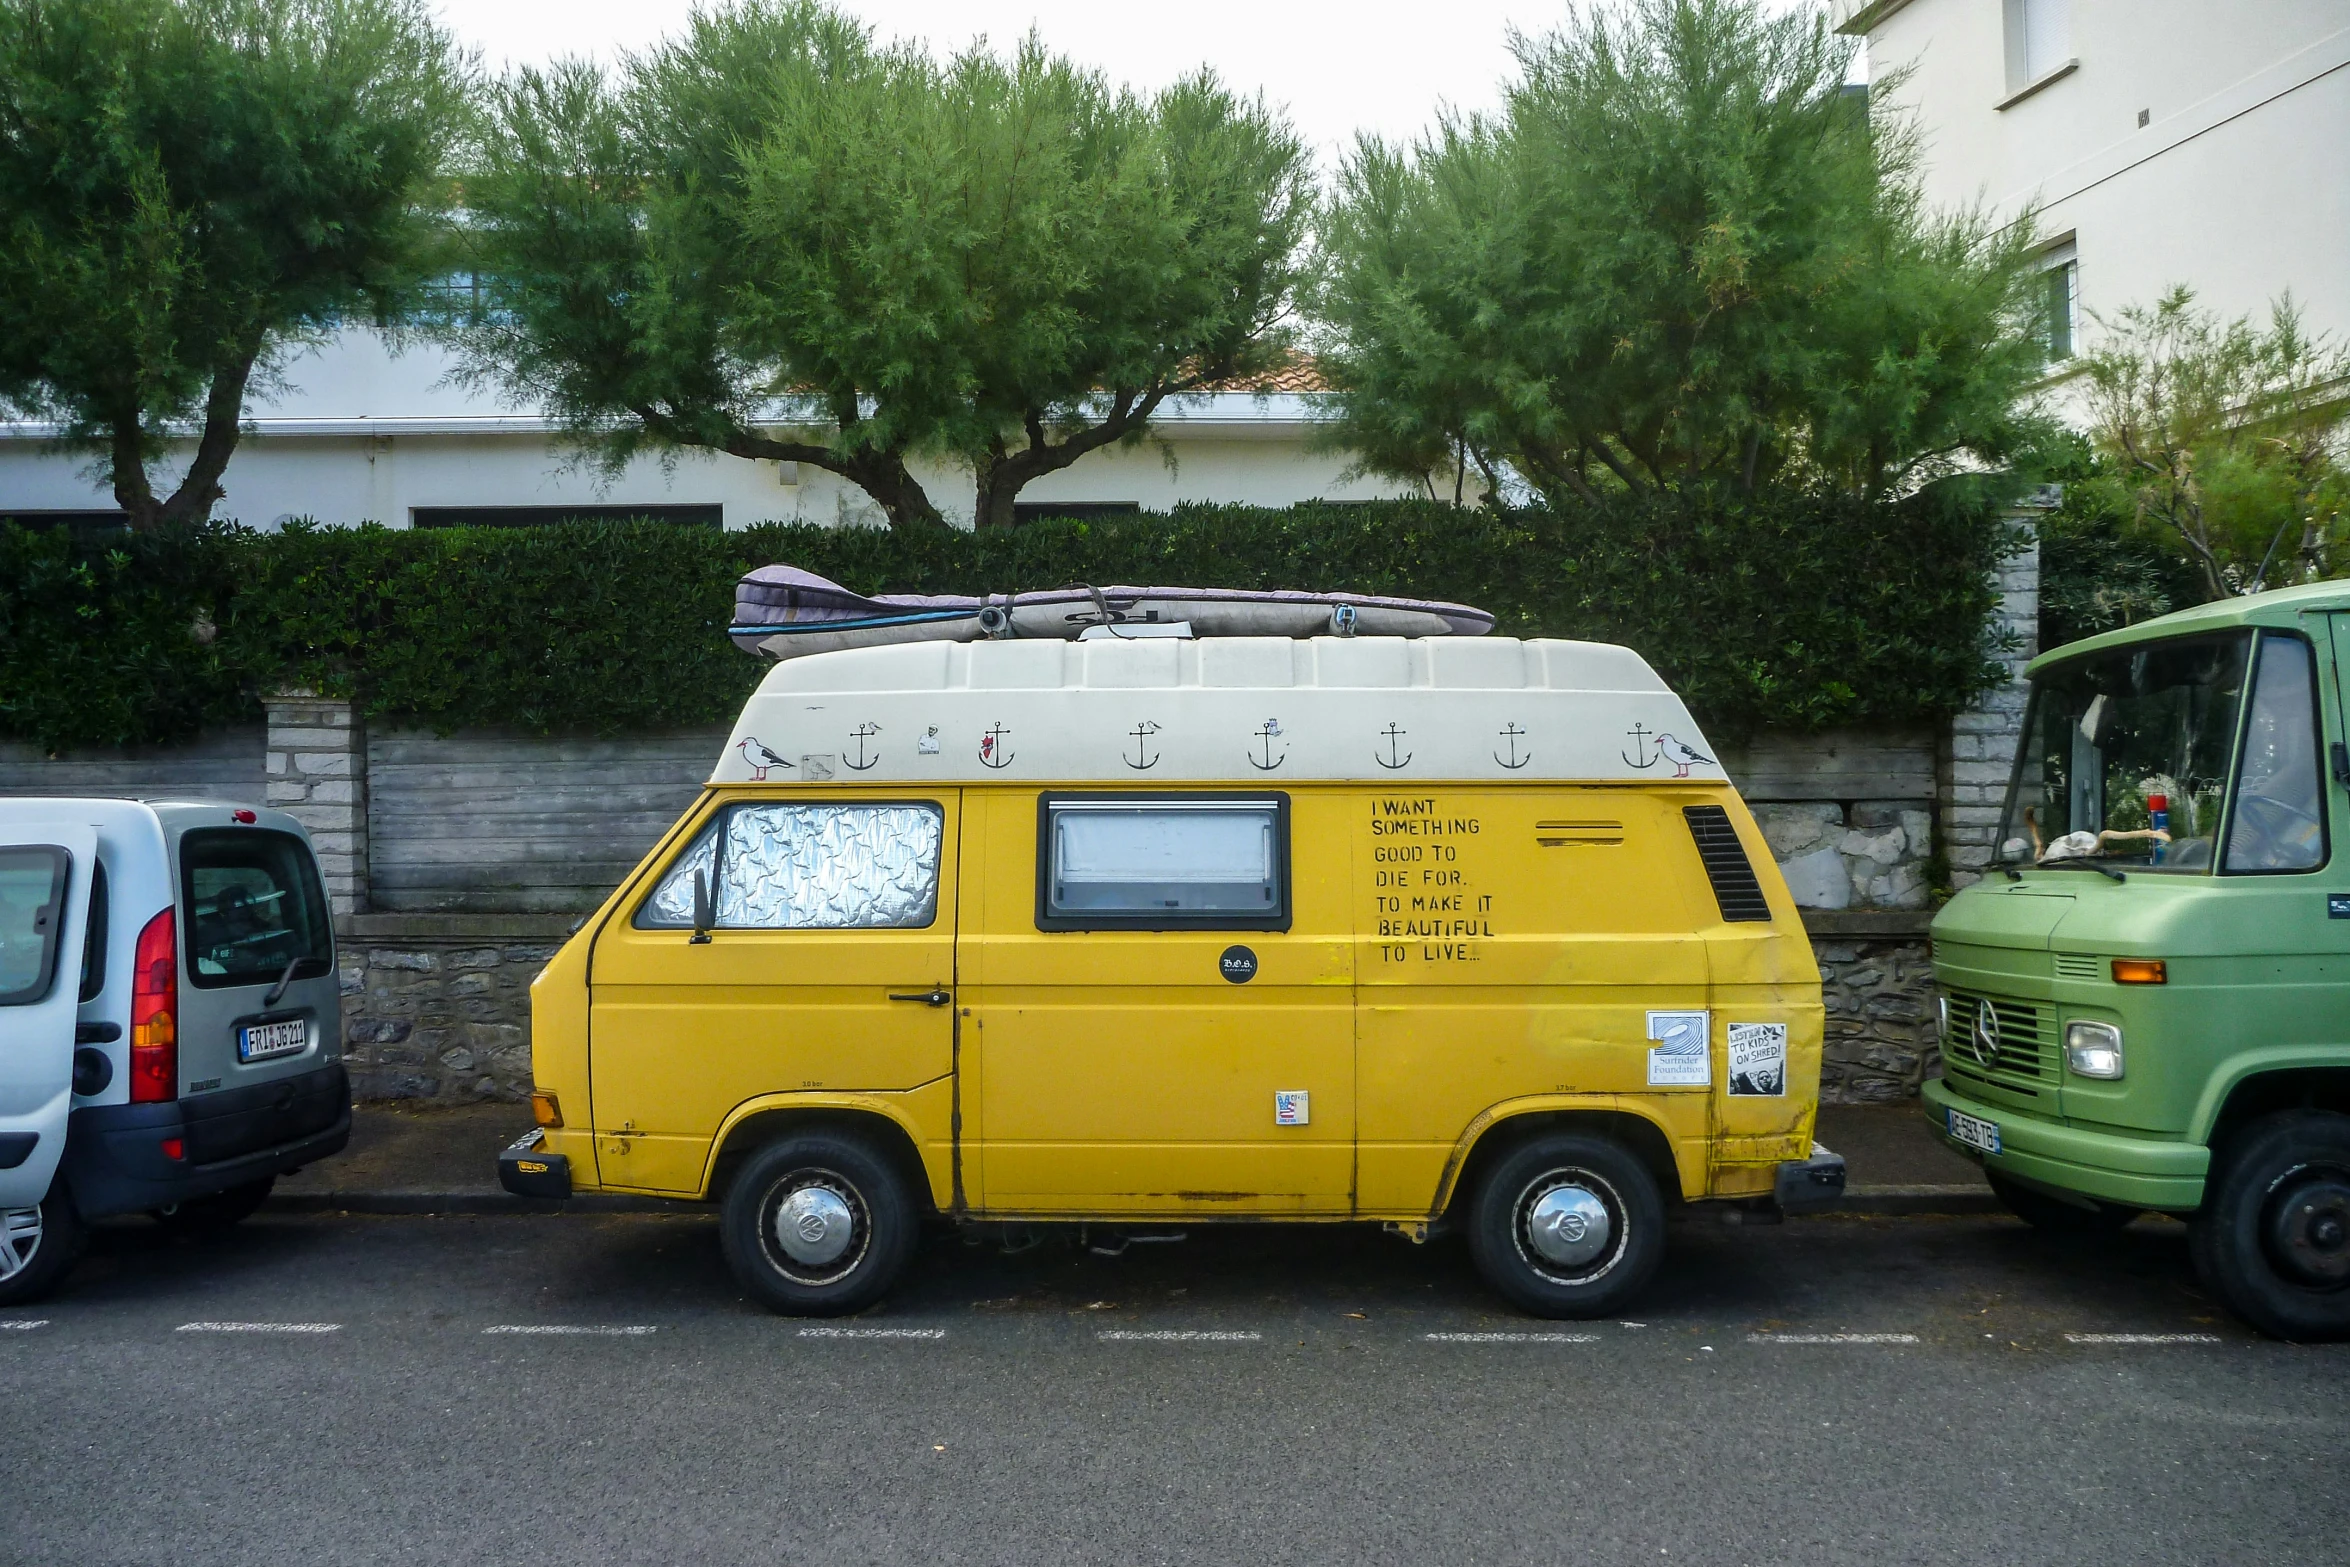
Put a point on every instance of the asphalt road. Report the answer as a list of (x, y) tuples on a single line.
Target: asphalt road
[(1834, 1390)]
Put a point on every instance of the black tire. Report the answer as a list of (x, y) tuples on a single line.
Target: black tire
[(200, 1218), (2057, 1217), (1508, 1203), (882, 1224), (37, 1246), (2273, 1238)]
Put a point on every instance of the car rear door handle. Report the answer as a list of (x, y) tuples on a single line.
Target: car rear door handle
[(929, 998)]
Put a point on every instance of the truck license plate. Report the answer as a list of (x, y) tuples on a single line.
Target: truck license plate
[(1974, 1131), (260, 1041)]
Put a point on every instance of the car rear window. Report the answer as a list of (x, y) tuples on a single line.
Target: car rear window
[(254, 906), (32, 899)]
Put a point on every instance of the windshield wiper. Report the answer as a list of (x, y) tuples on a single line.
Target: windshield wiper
[(2099, 866)]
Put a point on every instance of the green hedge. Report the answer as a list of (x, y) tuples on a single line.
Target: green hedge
[(1794, 612)]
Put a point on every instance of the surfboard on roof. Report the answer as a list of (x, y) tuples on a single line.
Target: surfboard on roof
[(1257, 710), (786, 612)]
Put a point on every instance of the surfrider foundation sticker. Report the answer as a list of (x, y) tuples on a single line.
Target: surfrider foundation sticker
[(1758, 1060), (1678, 1056)]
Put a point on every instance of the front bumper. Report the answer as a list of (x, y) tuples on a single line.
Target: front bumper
[(527, 1170), (2136, 1172), (114, 1159)]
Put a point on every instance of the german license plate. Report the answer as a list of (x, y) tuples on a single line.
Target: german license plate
[(260, 1041), (1974, 1131)]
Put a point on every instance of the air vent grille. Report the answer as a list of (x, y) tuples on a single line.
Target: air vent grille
[(2079, 965), (1726, 866)]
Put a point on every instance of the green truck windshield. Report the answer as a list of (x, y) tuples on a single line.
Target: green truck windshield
[(2126, 760)]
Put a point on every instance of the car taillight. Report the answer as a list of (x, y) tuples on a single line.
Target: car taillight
[(155, 988)]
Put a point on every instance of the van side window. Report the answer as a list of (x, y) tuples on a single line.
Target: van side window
[(808, 867), (94, 939), (1202, 862), (32, 896), (2278, 823)]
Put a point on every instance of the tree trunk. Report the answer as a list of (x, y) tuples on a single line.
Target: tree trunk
[(881, 474), (1002, 474), (199, 487)]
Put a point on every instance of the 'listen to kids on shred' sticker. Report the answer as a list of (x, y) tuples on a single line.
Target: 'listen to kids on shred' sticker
[(1677, 1056), (1758, 1060)]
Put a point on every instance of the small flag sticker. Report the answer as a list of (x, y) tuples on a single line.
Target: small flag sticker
[(1289, 1107)]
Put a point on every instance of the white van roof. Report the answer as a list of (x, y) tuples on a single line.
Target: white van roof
[(1257, 709)]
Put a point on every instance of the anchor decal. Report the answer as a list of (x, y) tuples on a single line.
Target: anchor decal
[(1513, 734), (1141, 733), (992, 750), (1643, 742), (1266, 734), (1391, 734), (861, 734)]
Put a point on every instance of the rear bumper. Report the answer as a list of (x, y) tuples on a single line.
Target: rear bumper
[(1813, 1185), (2135, 1171), (114, 1158)]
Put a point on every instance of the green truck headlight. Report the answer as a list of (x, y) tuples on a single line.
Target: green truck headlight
[(2093, 1049)]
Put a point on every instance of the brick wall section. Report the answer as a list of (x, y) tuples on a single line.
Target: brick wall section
[(314, 768), (1979, 751)]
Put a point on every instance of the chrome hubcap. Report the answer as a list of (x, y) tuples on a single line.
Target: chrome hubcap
[(1568, 1225), (20, 1237), (815, 1226)]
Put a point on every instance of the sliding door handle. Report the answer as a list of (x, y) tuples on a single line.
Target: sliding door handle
[(929, 998)]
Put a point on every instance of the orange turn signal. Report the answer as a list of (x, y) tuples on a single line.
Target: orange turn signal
[(2138, 971), (544, 1109)]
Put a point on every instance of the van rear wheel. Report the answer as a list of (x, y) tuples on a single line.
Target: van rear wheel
[(37, 1246), (818, 1224), (1568, 1226), (2273, 1239)]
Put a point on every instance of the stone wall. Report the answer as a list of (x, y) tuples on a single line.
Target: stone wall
[(1879, 992), (440, 1008)]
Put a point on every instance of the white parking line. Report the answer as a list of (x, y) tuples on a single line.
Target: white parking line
[(24, 1327), (1831, 1338), (2142, 1338), (873, 1333), (1511, 1338), (567, 1330), (1175, 1336), (259, 1327)]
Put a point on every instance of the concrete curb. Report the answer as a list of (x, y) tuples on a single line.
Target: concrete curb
[(1876, 1201)]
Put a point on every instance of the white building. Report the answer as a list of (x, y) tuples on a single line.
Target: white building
[(362, 433), (2162, 141)]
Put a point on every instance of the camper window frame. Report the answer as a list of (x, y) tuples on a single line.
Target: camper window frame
[(1275, 919)]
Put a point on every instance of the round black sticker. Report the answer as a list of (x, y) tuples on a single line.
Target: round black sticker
[(1238, 965)]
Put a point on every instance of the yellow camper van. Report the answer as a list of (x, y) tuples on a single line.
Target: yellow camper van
[(1462, 933)]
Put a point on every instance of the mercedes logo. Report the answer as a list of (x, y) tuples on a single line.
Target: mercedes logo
[(1985, 1040)]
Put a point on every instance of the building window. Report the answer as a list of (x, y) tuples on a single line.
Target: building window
[(2039, 39), (2057, 301), (1080, 511)]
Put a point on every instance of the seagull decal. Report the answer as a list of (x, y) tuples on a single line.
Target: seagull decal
[(1682, 756), (760, 758)]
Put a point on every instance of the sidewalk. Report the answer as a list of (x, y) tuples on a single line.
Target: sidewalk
[(445, 1161)]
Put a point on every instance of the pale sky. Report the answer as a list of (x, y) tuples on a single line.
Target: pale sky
[(1337, 65)]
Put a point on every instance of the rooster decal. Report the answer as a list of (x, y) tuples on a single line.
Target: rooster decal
[(759, 757)]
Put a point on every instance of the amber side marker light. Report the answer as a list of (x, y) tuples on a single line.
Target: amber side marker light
[(2138, 971), (544, 1109)]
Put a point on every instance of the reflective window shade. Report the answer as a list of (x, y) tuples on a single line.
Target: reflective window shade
[(809, 867), (1162, 858)]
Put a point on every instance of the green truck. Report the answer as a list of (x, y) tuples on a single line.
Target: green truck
[(2145, 1003)]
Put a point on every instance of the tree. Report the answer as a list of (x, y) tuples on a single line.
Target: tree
[(1682, 255), (773, 239), (2227, 438), (189, 189)]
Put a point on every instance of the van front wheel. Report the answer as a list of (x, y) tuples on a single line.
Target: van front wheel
[(1568, 1226), (2273, 1239), (818, 1224)]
